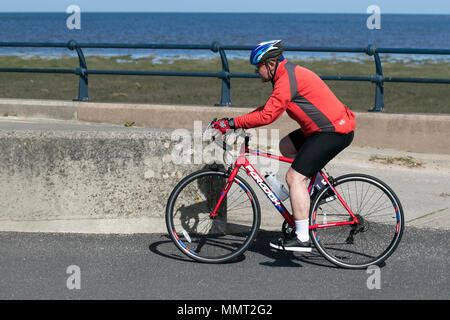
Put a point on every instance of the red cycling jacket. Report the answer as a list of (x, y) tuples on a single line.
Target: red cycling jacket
[(306, 99)]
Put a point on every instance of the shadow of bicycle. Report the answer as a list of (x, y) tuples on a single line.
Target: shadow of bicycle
[(278, 258), (285, 258), (275, 258), (166, 248)]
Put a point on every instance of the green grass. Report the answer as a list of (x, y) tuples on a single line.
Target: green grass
[(399, 97), (407, 161)]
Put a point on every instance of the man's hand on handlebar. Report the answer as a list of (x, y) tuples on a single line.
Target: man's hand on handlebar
[(224, 124)]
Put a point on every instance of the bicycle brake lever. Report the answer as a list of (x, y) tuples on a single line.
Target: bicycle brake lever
[(209, 125)]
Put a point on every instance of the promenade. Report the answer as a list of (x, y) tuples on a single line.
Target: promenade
[(72, 176)]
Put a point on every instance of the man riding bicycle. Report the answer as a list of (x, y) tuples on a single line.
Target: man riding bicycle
[(326, 128)]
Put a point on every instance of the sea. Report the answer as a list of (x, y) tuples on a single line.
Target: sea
[(327, 30)]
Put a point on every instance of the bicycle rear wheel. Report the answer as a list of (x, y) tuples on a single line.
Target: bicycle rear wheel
[(380, 226), (222, 238)]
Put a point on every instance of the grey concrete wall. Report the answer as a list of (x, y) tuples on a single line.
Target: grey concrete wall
[(54, 109), (407, 132), (63, 176), (118, 180)]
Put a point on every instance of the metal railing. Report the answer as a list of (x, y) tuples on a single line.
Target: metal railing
[(225, 75)]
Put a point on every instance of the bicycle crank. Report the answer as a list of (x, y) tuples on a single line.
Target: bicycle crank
[(288, 231)]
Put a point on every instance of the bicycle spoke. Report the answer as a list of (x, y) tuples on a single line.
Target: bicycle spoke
[(369, 241), (219, 238)]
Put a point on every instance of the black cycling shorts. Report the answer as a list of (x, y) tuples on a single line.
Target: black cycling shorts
[(316, 150)]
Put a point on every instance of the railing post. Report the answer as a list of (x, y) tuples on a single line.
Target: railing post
[(225, 99), (378, 79), (83, 89)]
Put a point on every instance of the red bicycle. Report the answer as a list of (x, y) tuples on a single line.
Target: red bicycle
[(213, 215)]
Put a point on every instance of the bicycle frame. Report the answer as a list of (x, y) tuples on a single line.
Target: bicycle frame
[(242, 161)]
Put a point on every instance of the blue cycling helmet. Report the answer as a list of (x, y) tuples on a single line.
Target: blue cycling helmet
[(266, 50)]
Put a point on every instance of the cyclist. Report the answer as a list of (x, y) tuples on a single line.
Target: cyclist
[(326, 128)]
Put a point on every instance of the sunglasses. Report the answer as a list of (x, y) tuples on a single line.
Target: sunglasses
[(259, 65)]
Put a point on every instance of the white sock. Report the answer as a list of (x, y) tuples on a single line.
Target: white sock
[(302, 229)]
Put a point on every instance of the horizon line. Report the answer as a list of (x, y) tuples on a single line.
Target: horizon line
[(230, 12)]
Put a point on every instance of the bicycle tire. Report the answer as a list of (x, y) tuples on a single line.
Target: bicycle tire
[(217, 240), (380, 227)]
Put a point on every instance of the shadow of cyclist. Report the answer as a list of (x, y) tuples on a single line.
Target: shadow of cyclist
[(285, 258)]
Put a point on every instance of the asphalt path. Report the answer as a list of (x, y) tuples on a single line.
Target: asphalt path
[(148, 266)]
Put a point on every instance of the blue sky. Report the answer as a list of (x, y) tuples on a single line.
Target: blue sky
[(294, 6)]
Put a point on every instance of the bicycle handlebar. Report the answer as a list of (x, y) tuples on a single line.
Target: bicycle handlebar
[(209, 125), (244, 134)]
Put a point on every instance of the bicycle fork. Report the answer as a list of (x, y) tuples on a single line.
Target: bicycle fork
[(225, 190)]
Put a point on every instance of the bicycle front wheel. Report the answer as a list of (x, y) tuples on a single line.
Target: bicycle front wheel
[(206, 239), (380, 217)]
